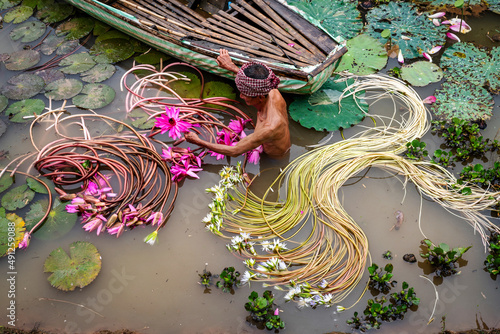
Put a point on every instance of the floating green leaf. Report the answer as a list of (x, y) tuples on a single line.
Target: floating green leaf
[(77, 270), (75, 28), (421, 73), (365, 55), (141, 120), (28, 107), (111, 34), (37, 186), (57, 224), (98, 73), (63, 89), (337, 17), (30, 3), (5, 181), (94, 96), (22, 60), (451, 3), (55, 13), (494, 6), (464, 61), (151, 57), (28, 31), (77, 63), (463, 100), (4, 102), (112, 50), (17, 197), (218, 89), (187, 88), (11, 225), (321, 109), (5, 4), (420, 34), (41, 4), (50, 75), (100, 28), (18, 14), (3, 128), (58, 44), (22, 86)]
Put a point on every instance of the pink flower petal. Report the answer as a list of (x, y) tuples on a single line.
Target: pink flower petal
[(463, 28), (277, 311), (426, 56), (446, 22), (429, 99), (401, 59), (437, 15), (452, 36), (436, 22), (435, 49)]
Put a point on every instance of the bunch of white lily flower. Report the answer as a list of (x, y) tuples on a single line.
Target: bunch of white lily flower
[(307, 296), (241, 243), (273, 264), (275, 247)]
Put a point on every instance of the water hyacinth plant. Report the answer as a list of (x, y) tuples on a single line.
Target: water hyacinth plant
[(261, 310), (442, 258)]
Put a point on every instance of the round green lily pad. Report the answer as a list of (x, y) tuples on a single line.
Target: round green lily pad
[(50, 75), (37, 186), (365, 55), (23, 59), (58, 223), (187, 89), (10, 220), (98, 73), (77, 63), (28, 31), (111, 34), (18, 14), (112, 50), (31, 3), (55, 12), (16, 111), (464, 100), (17, 197), (94, 96), (151, 57), (63, 89), (421, 73), (4, 102), (5, 4), (41, 4), (77, 270), (4, 57), (5, 182), (140, 119), (58, 44), (320, 110), (75, 28), (100, 28), (22, 86)]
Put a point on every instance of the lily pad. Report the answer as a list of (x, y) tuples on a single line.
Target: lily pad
[(464, 61), (337, 17), (58, 44), (112, 50), (28, 32), (187, 89), (4, 102), (75, 28), (112, 34), (464, 100), (77, 63), (5, 182), (18, 14), (50, 75), (17, 197), (365, 55), (30, 3), (412, 32), (4, 57), (22, 86), (55, 13), (10, 220), (100, 28), (37, 186), (28, 107), (421, 73), (151, 57), (3, 128), (94, 96), (98, 73), (140, 119), (77, 270), (63, 89), (321, 110), (6, 4), (22, 60), (58, 223)]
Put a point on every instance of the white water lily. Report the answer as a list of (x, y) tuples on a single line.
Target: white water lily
[(266, 245), (340, 308), (401, 59), (323, 284), (246, 277)]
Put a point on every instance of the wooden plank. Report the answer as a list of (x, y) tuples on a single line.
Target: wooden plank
[(251, 28), (187, 10), (191, 18), (329, 61), (313, 33), (265, 7)]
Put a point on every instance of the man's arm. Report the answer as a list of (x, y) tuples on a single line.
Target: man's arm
[(244, 145), (224, 61)]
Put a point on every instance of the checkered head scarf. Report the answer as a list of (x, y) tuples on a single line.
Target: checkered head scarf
[(255, 87)]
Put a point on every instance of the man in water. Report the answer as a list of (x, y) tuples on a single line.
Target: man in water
[(258, 88)]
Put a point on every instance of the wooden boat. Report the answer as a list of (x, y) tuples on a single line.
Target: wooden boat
[(302, 54)]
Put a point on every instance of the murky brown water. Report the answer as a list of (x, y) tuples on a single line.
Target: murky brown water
[(154, 289)]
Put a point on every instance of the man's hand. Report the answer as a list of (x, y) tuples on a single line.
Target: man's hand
[(192, 138), (224, 61)]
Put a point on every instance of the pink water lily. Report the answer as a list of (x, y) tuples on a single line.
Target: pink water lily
[(437, 15), (155, 218), (172, 123), (181, 171), (462, 28), (435, 49), (254, 155), (436, 22), (429, 99), (26, 241), (225, 138), (238, 125), (117, 229), (427, 56), (277, 311), (452, 36), (401, 59)]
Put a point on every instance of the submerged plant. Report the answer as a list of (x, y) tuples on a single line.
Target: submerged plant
[(442, 258), (492, 261)]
